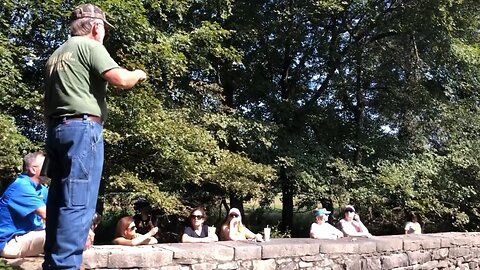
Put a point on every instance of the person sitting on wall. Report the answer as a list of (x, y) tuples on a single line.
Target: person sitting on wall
[(197, 231), (145, 220), (413, 227), (351, 225), (97, 218), (233, 228), (126, 234), (321, 229), (22, 233)]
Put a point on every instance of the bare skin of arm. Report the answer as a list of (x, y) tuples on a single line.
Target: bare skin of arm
[(42, 212), (123, 78), (225, 232), (145, 239), (188, 239)]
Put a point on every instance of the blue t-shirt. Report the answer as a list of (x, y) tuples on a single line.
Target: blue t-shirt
[(43, 193), (17, 208)]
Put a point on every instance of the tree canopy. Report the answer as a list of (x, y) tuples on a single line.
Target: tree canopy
[(372, 103)]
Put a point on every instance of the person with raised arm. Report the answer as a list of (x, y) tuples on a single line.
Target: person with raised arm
[(126, 235), (75, 108), (233, 228), (351, 225)]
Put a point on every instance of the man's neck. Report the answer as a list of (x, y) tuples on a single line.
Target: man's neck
[(35, 179)]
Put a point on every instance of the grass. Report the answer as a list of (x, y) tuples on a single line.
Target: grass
[(5, 266)]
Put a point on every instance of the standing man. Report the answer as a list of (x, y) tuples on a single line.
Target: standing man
[(21, 233), (76, 78)]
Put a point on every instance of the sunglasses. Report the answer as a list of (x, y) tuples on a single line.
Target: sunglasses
[(350, 211), (196, 216), (234, 215)]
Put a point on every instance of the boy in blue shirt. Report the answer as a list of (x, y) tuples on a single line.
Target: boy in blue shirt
[(21, 232)]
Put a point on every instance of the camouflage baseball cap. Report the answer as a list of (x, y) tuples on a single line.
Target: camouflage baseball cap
[(89, 11)]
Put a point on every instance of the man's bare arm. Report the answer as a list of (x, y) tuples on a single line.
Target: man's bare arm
[(42, 212), (123, 78)]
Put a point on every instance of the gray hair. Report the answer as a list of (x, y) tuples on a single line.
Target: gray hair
[(81, 27), (30, 158), (322, 217)]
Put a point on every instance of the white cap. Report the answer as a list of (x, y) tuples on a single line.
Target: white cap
[(234, 210), (349, 207)]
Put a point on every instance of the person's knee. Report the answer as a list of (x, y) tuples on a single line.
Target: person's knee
[(32, 244), (12, 250)]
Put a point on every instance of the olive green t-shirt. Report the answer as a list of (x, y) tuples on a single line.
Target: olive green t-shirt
[(73, 81)]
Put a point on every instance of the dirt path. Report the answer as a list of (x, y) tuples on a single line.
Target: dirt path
[(31, 263)]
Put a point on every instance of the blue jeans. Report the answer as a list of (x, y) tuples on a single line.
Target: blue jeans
[(75, 148)]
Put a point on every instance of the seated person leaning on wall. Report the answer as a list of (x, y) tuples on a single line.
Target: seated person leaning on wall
[(145, 220), (321, 229), (351, 225), (97, 218), (197, 231), (126, 234), (233, 228), (22, 233), (413, 226)]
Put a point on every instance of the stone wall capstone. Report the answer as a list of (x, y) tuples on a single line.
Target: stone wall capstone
[(427, 251)]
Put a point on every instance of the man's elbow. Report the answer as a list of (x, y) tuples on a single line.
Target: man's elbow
[(42, 212), (122, 84)]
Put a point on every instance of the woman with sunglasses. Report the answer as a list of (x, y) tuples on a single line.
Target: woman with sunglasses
[(197, 231), (351, 225), (126, 234), (321, 229), (233, 228)]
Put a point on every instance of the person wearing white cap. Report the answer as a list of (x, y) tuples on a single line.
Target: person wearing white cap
[(351, 225), (321, 229), (233, 228)]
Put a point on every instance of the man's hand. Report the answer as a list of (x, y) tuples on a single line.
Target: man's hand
[(141, 74), (124, 79), (153, 231)]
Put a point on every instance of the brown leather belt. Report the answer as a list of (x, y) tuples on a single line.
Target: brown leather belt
[(89, 117)]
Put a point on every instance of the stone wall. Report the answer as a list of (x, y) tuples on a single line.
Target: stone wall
[(427, 251)]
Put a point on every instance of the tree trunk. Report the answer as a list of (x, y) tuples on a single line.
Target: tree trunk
[(237, 203), (359, 111), (287, 202)]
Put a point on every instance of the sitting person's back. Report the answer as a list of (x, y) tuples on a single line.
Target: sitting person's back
[(412, 226), (126, 234)]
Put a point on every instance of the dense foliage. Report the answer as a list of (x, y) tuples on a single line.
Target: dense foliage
[(330, 102)]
